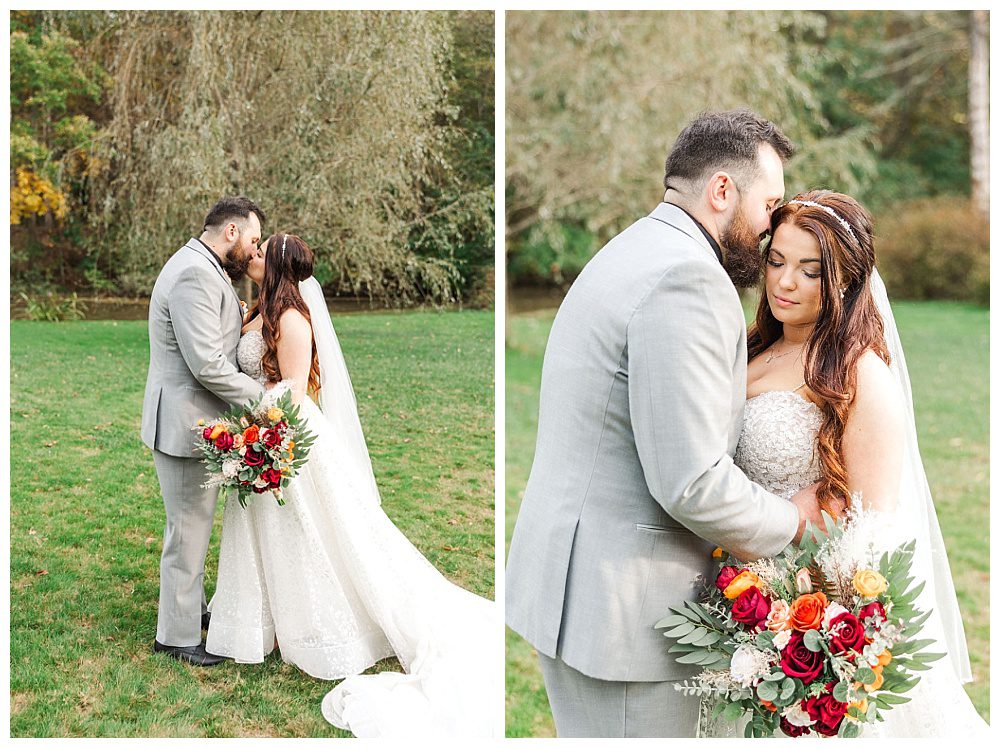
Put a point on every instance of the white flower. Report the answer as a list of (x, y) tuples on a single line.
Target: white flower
[(230, 468), (260, 482), (748, 665), (797, 716), (782, 638), (832, 611)]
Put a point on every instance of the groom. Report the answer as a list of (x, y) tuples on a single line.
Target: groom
[(194, 327), (641, 406)]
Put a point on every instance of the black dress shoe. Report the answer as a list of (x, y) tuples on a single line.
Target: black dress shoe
[(205, 620), (196, 655)]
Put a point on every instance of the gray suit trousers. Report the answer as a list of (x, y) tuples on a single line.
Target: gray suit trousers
[(190, 512), (585, 707)]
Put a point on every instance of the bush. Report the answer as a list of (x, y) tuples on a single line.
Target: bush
[(935, 248), (553, 254)]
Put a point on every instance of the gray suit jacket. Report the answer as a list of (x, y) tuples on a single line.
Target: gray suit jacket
[(633, 482), (194, 328)]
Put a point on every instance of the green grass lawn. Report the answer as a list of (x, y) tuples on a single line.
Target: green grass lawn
[(87, 521), (947, 354)]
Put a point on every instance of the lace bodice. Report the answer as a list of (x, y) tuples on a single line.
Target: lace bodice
[(777, 448), (250, 353)]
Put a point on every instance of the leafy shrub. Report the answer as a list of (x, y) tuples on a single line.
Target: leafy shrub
[(934, 249), (51, 308)]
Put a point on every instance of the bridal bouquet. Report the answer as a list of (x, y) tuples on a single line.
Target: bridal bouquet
[(820, 639), (257, 448)]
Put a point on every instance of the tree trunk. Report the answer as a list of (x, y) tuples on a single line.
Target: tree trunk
[(979, 109)]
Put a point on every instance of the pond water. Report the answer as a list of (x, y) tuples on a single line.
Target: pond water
[(138, 309)]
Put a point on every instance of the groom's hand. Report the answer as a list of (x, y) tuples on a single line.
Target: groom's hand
[(809, 511)]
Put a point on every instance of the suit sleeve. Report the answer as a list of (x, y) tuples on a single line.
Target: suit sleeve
[(194, 313), (682, 341)]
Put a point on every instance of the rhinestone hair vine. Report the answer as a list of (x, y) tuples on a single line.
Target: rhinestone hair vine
[(283, 242), (843, 222)]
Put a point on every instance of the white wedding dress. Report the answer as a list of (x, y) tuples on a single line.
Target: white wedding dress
[(777, 449), (341, 587)]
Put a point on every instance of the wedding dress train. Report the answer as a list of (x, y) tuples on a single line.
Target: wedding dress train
[(341, 588)]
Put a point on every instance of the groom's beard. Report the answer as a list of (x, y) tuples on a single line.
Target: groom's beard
[(743, 261), (236, 265)]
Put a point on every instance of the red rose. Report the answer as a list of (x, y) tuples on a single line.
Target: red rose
[(272, 438), (207, 434), (798, 661), (872, 610), (253, 458), (280, 426), (272, 476), (726, 575), (224, 441), (257, 489), (826, 710), (792, 731), (846, 633), (751, 608)]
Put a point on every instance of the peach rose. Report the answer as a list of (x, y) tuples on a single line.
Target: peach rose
[(807, 611), (803, 582), (777, 619), (885, 658), (744, 581)]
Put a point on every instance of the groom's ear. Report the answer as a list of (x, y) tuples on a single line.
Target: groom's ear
[(720, 191)]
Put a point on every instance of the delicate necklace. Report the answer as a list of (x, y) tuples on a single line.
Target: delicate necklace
[(771, 355)]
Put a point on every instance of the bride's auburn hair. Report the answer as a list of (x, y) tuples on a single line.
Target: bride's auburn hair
[(848, 325), (287, 260)]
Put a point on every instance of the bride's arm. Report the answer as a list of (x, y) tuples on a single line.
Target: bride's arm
[(295, 351), (873, 437)]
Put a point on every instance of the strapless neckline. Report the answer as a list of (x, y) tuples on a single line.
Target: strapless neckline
[(789, 394)]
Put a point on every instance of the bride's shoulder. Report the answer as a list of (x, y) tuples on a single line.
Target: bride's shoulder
[(876, 392), (293, 323)]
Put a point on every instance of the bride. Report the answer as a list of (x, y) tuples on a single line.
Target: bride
[(828, 402), (327, 578)]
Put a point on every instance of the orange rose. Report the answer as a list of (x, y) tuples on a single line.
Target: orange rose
[(879, 680), (717, 553), (861, 706), (807, 611), (251, 435), (885, 658), (768, 705), (218, 429), (740, 584)]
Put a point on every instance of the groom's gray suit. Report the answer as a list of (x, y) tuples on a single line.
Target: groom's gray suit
[(633, 482), (194, 328)]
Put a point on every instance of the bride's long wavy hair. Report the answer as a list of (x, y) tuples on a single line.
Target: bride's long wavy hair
[(287, 260), (848, 325)]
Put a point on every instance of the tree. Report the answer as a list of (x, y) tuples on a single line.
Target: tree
[(979, 108)]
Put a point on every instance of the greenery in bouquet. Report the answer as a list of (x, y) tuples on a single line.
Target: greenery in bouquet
[(820, 639), (256, 448)]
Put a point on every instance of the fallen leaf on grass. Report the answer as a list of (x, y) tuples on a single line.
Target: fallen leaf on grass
[(52, 443), (41, 573), (453, 522)]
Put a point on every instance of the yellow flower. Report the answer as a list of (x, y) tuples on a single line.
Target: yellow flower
[(201, 421), (275, 414), (219, 429), (869, 583), (861, 706), (717, 553), (744, 581)]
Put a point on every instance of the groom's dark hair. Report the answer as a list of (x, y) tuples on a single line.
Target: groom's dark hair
[(723, 140), (231, 207)]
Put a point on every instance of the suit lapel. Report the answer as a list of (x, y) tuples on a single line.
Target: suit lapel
[(198, 247), (678, 219)]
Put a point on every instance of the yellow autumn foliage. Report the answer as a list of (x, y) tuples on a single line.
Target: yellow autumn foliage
[(34, 195)]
